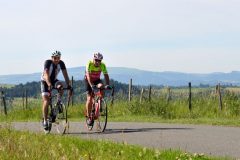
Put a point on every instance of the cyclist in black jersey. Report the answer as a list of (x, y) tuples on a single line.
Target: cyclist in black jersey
[(49, 80)]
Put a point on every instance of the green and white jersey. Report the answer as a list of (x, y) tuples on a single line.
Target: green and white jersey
[(95, 72)]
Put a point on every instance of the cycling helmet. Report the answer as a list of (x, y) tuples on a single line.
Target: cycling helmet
[(56, 54), (98, 56)]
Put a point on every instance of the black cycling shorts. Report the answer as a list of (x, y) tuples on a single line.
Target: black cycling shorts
[(44, 87)]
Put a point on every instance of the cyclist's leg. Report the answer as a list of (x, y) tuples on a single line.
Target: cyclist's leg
[(45, 100), (89, 104), (89, 98), (89, 110)]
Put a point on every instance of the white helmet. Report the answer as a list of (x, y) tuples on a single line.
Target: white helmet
[(56, 54), (98, 56)]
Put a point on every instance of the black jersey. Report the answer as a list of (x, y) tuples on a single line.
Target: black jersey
[(53, 69)]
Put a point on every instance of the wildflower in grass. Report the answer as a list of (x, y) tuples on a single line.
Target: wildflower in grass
[(59, 145), (53, 154), (144, 150), (25, 154), (140, 154), (201, 154), (64, 157), (157, 153), (119, 153), (195, 155), (2, 148), (76, 151), (122, 151)]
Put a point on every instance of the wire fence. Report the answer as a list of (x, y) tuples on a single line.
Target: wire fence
[(147, 93)]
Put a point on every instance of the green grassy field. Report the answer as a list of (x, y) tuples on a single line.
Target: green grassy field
[(17, 145), (7, 85), (205, 110)]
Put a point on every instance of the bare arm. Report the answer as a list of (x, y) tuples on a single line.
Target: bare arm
[(47, 77), (106, 77), (89, 79), (65, 75)]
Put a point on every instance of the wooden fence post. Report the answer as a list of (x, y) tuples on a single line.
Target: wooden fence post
[(168, 94), (4, 102), (190, 96), (220, 97), (72, 91), (216, 89), (130, 91), (149, 93), (141, 95), (1, 101), (113, 90), (23, 100), (26, 99)]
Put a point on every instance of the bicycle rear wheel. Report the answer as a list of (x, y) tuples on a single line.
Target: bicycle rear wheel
[(102, 118), (61, 119)]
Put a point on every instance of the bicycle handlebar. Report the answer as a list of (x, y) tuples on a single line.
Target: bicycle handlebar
[(61, 88), (106, 87), (100, 89)]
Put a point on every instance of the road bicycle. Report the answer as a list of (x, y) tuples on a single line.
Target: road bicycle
[(57, 114), (99, 112)]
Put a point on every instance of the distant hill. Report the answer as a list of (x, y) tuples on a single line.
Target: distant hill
[(140, 77)]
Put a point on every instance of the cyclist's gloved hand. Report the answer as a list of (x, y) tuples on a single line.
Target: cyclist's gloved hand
[(69, 87), (59, 87), (94, 87), (108, 87)]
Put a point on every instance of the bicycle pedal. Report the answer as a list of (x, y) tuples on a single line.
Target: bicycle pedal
[(89, 128)]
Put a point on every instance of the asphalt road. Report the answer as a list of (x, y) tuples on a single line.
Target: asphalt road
[(210, 140)]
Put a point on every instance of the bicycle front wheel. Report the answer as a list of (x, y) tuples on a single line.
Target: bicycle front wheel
[(61, 119), (102, 118)]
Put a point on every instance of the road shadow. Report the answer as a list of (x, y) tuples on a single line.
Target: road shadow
[(127, 130)]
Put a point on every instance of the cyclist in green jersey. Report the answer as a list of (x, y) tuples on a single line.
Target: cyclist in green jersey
[(93, 72)]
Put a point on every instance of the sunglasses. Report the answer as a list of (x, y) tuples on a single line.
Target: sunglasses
[(97, 60), (56, 58)]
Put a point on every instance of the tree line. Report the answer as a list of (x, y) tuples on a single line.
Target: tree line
[(34, 88)]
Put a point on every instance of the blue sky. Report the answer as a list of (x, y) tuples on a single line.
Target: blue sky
[(194, 36)]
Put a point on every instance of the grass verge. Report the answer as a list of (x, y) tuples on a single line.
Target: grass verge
[(26, 145)]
